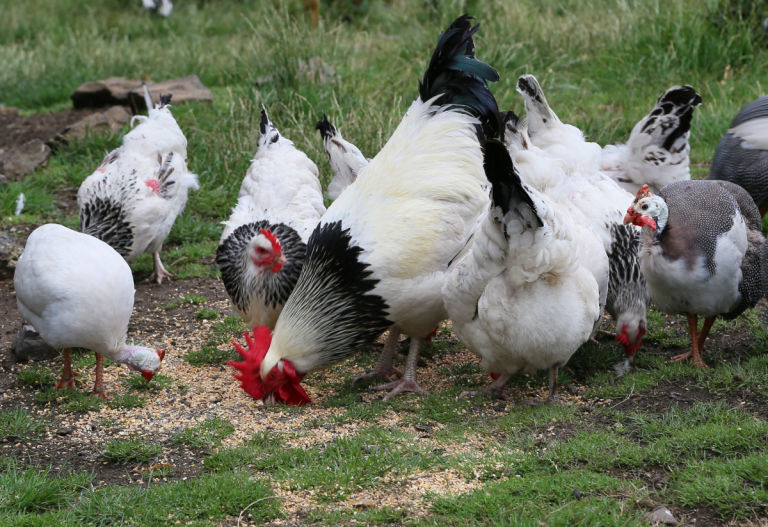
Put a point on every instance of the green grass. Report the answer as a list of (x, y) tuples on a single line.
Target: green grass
[(194, 300), (217, 349), (205, 435), (36, 376), (19, 423), (602, 65), (123, 451)]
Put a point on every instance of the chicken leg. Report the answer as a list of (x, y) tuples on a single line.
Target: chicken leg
[(407, 383), (159, 271), (67, 379), (98, 385), (696, 342), (384, 367)]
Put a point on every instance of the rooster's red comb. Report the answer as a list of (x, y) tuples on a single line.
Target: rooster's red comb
[(284, 385)]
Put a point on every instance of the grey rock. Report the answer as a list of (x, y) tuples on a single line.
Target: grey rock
[(129, 92), (24, 159), (10, 250), (3, 180), (661, 516), (110, 120), (29, 345)]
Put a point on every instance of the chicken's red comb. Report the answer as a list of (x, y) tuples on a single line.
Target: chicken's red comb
[(269, 235), (284, 385)]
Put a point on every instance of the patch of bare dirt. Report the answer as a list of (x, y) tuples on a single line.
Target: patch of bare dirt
[(18, 129)]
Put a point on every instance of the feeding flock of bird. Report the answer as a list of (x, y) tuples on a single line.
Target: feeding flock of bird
[(519, 231)]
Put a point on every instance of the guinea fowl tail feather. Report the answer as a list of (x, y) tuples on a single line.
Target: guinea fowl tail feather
[(459, 78)]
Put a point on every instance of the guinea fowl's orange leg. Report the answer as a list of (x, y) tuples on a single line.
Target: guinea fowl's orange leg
[(98, 386), (702, 337), (67, 379), (693, 322)]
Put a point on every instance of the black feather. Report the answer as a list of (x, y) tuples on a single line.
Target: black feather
[(327, 130), (460, 78), (165, 100), (508, 191), (264, 123), (335, 289)]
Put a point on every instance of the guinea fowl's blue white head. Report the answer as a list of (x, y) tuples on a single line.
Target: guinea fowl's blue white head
[(648, 210), (265, 251)]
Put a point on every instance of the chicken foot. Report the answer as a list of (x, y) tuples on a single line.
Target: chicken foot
[(384, 367), (494, 390), (159, 272), (407, 383)]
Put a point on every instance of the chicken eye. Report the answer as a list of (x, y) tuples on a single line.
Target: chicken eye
[(645, 206)]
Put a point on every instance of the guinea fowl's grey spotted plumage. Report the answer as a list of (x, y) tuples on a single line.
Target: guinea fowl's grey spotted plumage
[(272, 288), (627, 289), (700, 212), (742, 159)]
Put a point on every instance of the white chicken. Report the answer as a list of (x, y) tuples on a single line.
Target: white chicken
[(133, 198), (596, 200), (657, 152), (521, 296), (78, 292), (262, 249), (346, 159), (380, 253)]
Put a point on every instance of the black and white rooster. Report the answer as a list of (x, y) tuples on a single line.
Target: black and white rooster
[(381, 252), (263, 246), (133, 198)]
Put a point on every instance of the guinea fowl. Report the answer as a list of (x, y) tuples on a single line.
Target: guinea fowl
[(78, 292), (380, 253), (262, 249), (521, 296), (573, 180), (701, 251), (346, 159), (742, 154), (133, 198), (657, 152)]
